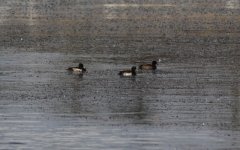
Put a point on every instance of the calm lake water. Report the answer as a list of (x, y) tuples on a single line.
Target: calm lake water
[(192, 100)]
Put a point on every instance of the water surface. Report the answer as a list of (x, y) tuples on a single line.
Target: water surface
[(190, 102)]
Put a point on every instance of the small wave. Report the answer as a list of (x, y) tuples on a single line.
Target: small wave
[(15, 143)]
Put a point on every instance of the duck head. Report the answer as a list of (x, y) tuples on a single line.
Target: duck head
[(80, 66), (133, 70), (154, 63)]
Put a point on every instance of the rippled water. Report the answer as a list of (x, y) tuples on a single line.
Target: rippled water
[(190, 102)]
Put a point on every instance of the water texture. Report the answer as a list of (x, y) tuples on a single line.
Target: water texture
[(192, 100)]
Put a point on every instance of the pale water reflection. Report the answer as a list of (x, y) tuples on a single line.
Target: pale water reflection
[(112, 10), (233, 4), (137, 5)]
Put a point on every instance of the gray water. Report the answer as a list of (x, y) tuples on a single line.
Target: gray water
[(192, 100)]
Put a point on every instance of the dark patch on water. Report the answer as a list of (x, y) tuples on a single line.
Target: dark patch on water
[(15, 143)]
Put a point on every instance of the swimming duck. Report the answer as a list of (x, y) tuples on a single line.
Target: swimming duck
[(79, 69), (149, 66), (130, 72)]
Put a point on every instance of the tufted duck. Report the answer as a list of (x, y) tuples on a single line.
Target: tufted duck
[(130, 72), (149, 66)]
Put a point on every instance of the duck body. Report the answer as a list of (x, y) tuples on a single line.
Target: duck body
[(149, 66), (76, 69), (79, 69), (128, 73)]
